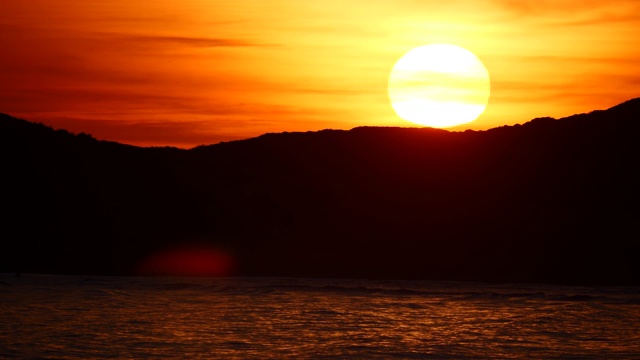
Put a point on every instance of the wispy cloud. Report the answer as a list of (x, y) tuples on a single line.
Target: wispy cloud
[(569, 13), (551, 7)]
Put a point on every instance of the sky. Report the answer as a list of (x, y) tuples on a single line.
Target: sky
[(193, 72)]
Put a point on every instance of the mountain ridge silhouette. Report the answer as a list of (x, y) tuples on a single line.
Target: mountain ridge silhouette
[(551, 200)]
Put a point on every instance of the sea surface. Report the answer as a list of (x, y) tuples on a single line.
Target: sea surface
[(83, 317)]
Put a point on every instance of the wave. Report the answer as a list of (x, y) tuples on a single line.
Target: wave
[(451, 291)]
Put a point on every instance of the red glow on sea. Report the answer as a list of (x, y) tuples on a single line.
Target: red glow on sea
[(187, 260)]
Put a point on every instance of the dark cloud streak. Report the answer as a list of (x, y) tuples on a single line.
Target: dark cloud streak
[(193, 41)]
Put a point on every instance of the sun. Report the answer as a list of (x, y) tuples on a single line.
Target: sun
[(439, 85)]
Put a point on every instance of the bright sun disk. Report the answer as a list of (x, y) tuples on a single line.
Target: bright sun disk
[(439, 85)]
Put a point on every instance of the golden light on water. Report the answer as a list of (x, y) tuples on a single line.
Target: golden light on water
[(439, 85), (266, 318)]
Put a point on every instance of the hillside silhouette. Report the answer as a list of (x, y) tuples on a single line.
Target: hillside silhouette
[(552, 201)]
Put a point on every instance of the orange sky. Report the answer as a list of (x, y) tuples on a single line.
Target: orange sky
[(191, 72)]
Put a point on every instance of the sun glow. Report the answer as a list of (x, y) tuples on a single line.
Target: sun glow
[(439, 85)]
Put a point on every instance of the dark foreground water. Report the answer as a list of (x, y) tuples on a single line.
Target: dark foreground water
[(65, 317)]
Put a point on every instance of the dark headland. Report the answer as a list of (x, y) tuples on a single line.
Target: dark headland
[(552, 201)]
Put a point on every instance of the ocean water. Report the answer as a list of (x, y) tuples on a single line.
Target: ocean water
[(81, 317)]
